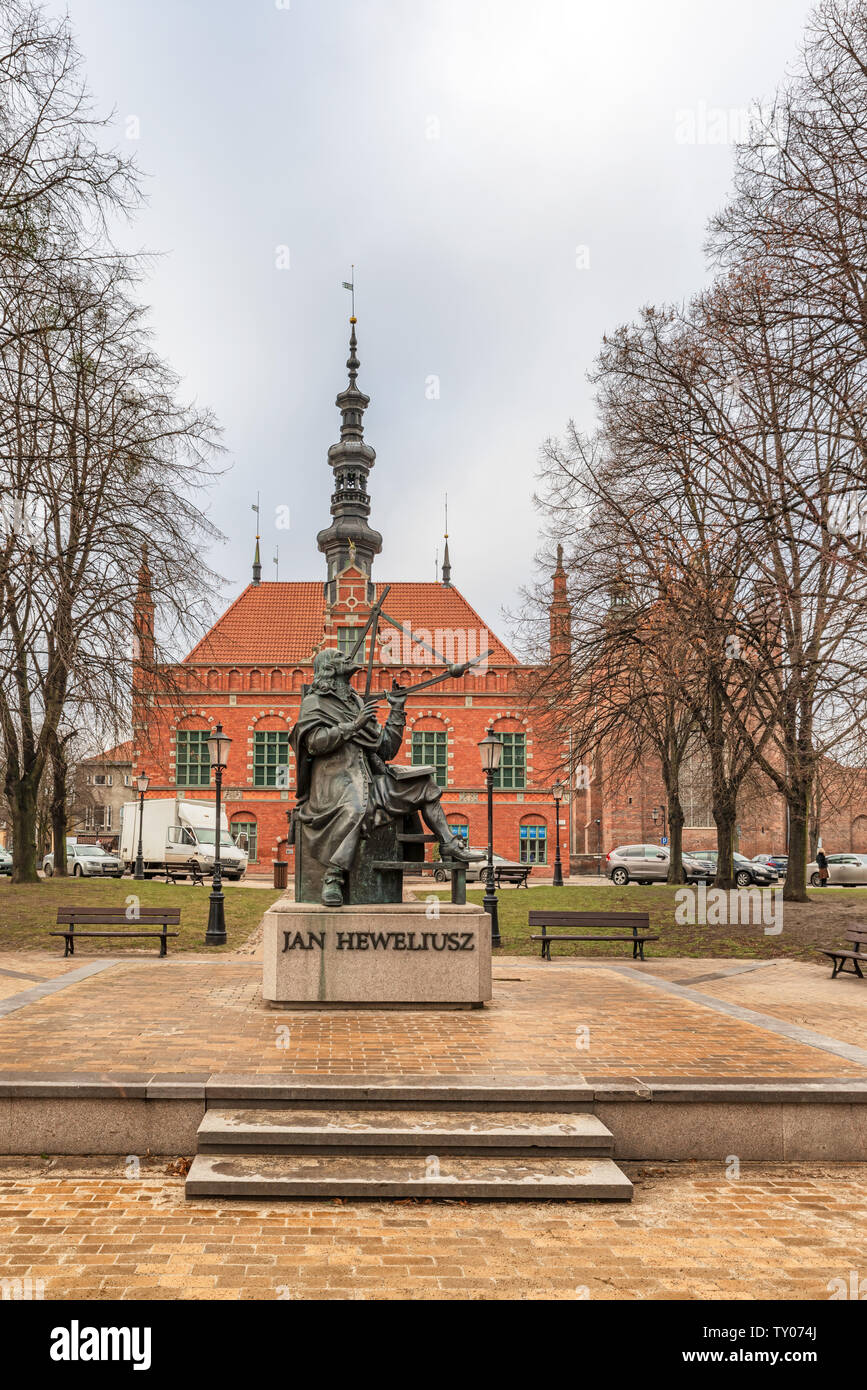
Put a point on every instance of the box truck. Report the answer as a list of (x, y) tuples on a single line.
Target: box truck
[(174, 833)]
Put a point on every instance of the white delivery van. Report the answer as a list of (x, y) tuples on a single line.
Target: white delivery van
[(175, 832)]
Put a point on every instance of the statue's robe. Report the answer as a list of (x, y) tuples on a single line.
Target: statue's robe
[(345, 786)]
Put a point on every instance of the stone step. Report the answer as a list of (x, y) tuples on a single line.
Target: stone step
[(267, 1176), (392, 1127)]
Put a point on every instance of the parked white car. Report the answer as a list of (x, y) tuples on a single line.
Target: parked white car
[(842, 868), (86, 861)]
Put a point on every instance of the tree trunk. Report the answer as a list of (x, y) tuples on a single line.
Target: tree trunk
[(22, 804), (675, 839), (795, 886), (725, 816), (60, 775)]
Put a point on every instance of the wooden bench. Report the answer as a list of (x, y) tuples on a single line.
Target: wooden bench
[(74, 917), (611, 922), (181, 871), (508, 873), (839, 955)]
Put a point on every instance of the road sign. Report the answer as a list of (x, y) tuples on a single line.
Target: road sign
[(664, 840)]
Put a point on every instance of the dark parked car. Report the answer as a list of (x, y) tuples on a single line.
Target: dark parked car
[(747, 871), (5, 861), (780, 862)]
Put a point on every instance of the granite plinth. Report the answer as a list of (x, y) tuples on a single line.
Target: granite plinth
[(398, 955)]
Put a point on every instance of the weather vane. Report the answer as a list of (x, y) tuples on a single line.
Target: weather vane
[(350, 285)]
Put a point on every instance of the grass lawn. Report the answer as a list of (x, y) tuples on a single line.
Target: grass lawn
[(28, 910), (806, 926)]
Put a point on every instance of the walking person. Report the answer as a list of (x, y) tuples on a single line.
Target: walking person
[(822, 862)]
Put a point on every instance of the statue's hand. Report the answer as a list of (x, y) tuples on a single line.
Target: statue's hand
[(397, 700), (365, 715)]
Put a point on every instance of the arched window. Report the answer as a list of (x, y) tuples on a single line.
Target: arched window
[(234, 680), (276, 680), (297, 679), (192, 760), (213, 679), (255, 680), (430, 747), (459, 825), (533, 846), (271, 767), (243, 823), (512, 772)]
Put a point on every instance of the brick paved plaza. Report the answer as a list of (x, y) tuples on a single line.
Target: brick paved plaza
[(778, 1232), (94, 1227), (142, 1016)]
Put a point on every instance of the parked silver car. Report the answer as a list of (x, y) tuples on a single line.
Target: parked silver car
[(86, 861), (649, 864), (476, 872), (842, 868)]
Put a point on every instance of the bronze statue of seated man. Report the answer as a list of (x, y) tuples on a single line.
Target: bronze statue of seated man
[(345, 784)]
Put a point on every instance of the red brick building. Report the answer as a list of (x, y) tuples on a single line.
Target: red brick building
[(248, 671)]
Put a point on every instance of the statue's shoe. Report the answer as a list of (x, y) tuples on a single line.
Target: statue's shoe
[(332, 891), (456, 849)]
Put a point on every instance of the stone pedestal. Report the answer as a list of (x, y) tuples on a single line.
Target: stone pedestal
[(376, 956)]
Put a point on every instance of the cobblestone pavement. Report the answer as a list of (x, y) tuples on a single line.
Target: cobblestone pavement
[(206, 1015), (779, 1231)]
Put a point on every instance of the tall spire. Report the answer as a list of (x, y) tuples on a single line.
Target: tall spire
[(349, 539), (447, 564), (257, 563), (560, 613)]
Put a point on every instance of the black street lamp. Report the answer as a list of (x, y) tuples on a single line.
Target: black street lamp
[(218, 751), (558, 866), (491, 750), (142, 784)]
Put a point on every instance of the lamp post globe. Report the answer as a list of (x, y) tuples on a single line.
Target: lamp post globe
[(218, 751), (141, 783), (491, 751), (558, 790)]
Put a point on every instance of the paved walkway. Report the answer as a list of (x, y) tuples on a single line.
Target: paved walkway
[(776, 1232), (706, 1020)]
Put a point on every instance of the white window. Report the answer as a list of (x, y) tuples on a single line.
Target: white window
[(106, 818), (127, 779), (88, 818)]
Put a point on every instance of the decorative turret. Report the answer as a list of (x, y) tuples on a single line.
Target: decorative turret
[(349, 539), (257, 565), (447, 564), (560, 614)]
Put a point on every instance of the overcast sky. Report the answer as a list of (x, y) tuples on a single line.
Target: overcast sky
[(511, 178)]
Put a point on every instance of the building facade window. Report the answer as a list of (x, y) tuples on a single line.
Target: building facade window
[(271, 759), (431, 748), (106, 818), (512, 771), (346, 639), (251, 830), (534, 844), (192, 760), (460, 828)]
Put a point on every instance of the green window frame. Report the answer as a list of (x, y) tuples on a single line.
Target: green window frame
[(512, 772), (534, 844), (347, 638), (431, 747), (251, 829), (462, 829), (192, 759), (270, 754)]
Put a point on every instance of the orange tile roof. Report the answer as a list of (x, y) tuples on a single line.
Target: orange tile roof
[(284, 621)]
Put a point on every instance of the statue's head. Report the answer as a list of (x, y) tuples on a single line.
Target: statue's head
[(331, 668)]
